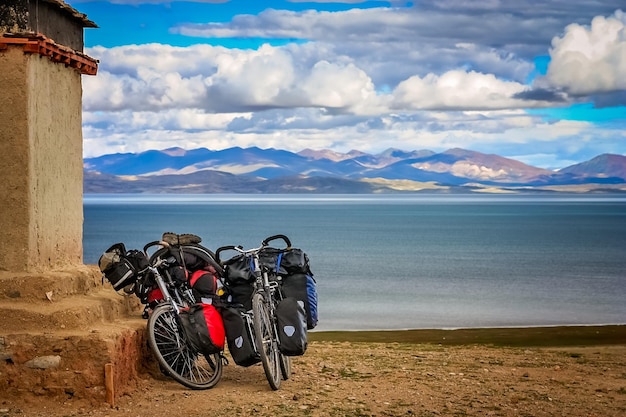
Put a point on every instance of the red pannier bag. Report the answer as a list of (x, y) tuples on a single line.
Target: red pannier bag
[(154, 296), (204, 328)]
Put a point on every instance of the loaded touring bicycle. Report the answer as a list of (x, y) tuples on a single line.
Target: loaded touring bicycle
[(260, 303)]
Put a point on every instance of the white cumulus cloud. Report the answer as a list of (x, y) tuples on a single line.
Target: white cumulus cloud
[(589, 60), (458, 90)]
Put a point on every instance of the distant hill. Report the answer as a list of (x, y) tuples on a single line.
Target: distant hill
[(605, 165), (255, 170)]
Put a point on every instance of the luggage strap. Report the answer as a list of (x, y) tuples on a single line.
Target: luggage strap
[(279, 258)]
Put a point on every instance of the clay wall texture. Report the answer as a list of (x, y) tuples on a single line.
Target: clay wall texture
[(41, 171), (14, 159)]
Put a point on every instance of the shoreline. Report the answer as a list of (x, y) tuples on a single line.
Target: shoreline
[(548, 336), (509, 372)]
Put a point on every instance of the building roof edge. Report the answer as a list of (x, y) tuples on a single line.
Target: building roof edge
[(73, 12)]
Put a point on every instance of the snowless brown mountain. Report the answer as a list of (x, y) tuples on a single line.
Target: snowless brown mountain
[(255, 170)]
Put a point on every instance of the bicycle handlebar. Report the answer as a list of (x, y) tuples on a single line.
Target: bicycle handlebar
[(155, 243), (159, 261), (238, 248), (222, 249), (264, 244), (275, 237)]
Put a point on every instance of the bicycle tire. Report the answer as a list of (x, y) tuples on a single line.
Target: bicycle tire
[(285, 366), (176, 358), (285, 362), (266, 340)]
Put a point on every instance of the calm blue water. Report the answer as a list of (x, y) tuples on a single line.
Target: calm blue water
[(397, 262)]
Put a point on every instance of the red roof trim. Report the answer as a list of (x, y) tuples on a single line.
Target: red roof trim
[(39, 44)]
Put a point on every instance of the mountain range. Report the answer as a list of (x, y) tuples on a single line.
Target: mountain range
[(255, 170)]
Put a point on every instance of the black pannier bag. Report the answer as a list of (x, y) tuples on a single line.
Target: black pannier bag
[(291, 322), (204, 328), (239, 269), (294, 268), (295, 261), (240, 336), (303, 288), (239, 293), (121, 267), (239, 281)]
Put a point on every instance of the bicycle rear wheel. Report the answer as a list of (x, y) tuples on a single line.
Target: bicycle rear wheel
[(285, 366), (192, 369), (266, 340)]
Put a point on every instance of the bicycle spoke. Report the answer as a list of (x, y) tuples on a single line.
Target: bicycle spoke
[(267, 345), (169, 346)]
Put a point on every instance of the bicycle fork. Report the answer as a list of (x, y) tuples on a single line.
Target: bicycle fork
[(173, 306)]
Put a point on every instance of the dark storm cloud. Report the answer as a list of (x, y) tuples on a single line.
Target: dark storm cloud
[(540, 94)]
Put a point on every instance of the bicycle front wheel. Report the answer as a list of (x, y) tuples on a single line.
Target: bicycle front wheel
[(266, 340), (177, 359)]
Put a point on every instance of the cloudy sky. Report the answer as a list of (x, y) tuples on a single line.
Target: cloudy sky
[(542, 82)]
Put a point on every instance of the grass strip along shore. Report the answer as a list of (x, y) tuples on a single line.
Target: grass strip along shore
[(549, 336)]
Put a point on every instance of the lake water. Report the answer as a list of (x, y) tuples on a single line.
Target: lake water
[(410, 261)]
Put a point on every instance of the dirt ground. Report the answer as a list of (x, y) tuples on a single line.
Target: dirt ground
[(383, 379)]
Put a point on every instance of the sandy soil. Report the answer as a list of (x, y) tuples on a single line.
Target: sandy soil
[(384, 379)]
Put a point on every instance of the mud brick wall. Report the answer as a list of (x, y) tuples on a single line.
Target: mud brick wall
[(41, 174)]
